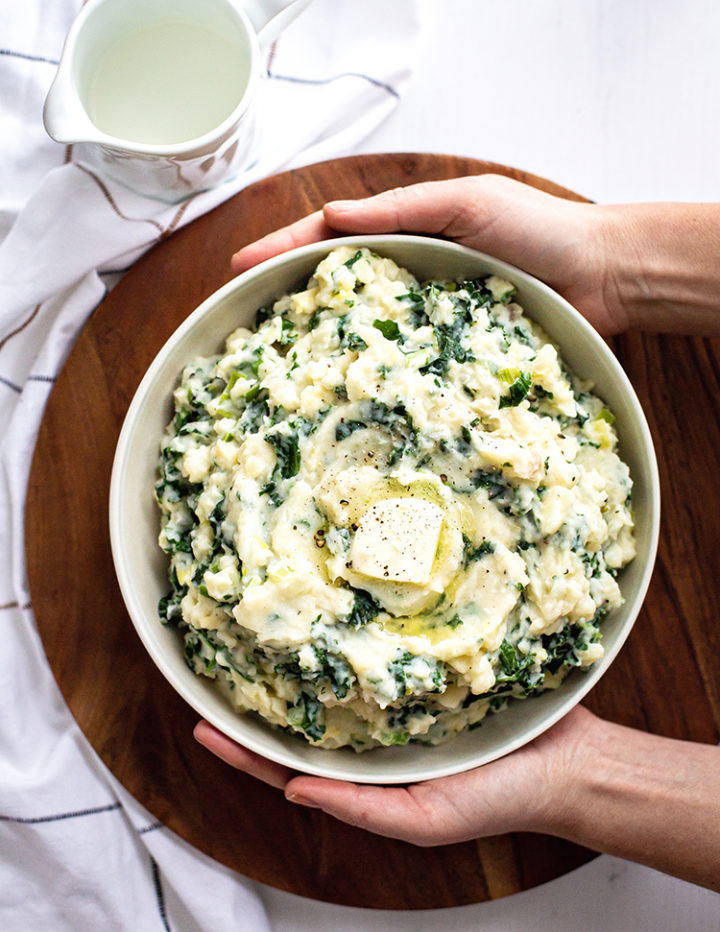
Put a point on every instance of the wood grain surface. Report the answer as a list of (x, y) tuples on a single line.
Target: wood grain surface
[(665, 679)]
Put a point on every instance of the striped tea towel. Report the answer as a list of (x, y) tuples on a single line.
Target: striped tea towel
[(76, 852)]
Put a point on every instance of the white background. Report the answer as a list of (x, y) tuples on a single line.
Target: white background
[(620, 101), (617, 99)]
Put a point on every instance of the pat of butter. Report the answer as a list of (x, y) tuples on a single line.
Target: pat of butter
[(396, 540)]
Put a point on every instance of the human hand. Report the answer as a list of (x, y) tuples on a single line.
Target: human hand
[(529, 790), (562, 242), (629, 266), (605, 786)]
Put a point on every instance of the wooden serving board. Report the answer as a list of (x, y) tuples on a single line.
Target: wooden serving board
[(665, 679)]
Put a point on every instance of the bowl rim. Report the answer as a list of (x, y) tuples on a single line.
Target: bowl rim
[(340, 770)]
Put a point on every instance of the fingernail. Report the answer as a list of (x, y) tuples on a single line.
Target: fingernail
[(195, 734), (301, 801), (340, 206)]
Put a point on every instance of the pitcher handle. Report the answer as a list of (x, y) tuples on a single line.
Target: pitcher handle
[(271, 17)]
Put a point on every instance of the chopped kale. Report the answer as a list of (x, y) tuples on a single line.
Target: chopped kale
[(364, 609), (263, 313), (397, 717), (256, 410), (515, 667), (418, 314), (523, 336), (478, 295), (593, 565), (254, 365), (494, 482), (343, 428), (203, 651), (564, 646), (217, 516), (287, 332), (406, 681), (332, 668), (192, 421), (468, 297), (539, 392), (271, 490), (398, 423), (168, 468), (287, 450), (354, 342), (398, 669), (517, 391), (169, 606), (472, 553), (176, 542), (337, 671), (464, 442), (277, 415), (308, 714), (449, 340), (353, 259), (389, 329), (348, 338), (172, 486)]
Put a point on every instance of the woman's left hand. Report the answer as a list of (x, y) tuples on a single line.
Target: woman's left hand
[(525, 791)]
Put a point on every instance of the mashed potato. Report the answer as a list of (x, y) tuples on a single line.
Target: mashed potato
[(389, 508)]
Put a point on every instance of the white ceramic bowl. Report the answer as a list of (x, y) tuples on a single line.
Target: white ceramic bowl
[(142, 567)]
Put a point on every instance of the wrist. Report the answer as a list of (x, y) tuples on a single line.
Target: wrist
[(585, 766), (561, 763), (662, 266), (645, 798)]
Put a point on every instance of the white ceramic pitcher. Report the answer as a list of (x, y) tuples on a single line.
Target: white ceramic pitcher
[(164, 95)]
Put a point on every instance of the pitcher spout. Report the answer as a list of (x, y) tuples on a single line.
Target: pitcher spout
[(64, 116)]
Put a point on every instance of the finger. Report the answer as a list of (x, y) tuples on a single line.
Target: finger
[(489, 212), (436, 812), (425, 207), (457, 208), (389, 811), (417, 208), (310, 229), (241, 758), (471, 804)]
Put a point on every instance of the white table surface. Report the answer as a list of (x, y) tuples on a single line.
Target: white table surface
[(620, 101)]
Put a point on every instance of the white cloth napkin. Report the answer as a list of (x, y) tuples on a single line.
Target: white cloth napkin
[(76, 851)]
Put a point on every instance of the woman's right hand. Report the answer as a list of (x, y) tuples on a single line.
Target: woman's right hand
[(624, 267), (559, 241)]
